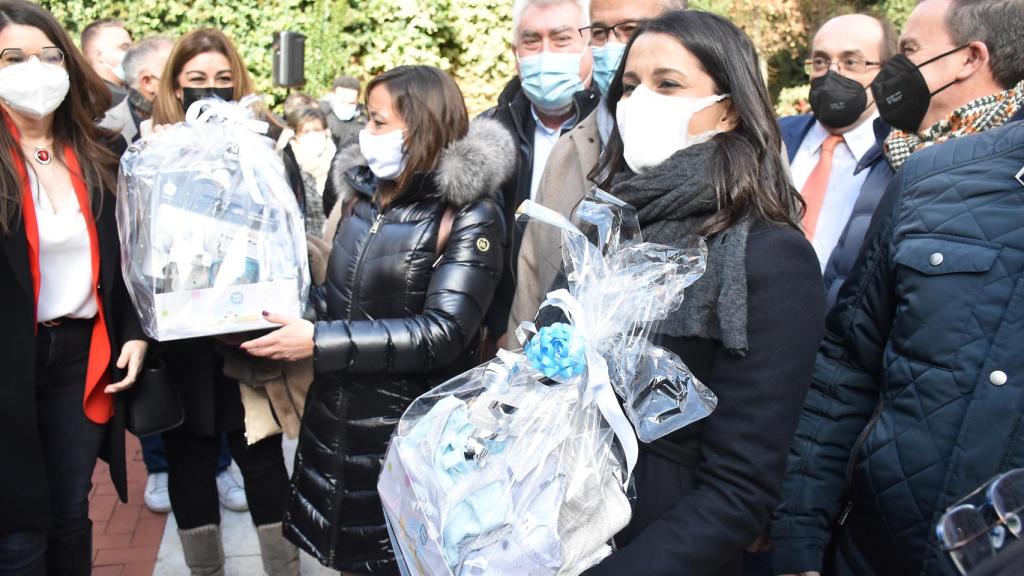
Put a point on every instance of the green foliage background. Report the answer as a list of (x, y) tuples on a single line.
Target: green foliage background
[(468, 38)]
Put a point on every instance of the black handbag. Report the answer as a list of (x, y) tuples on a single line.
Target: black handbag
[(153, 404)]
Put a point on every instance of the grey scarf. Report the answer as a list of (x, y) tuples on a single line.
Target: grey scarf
[(674, 200)]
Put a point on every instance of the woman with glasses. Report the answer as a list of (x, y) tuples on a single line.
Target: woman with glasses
[(71, 336), (696, 151)]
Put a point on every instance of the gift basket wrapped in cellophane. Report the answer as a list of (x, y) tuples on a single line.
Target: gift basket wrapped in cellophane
[(211, 232), (522, 465)]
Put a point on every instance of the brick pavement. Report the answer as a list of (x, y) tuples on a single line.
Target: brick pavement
[(126, 537)]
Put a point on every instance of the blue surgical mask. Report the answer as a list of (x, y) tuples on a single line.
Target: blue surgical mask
[(606, 63), (551, 79)]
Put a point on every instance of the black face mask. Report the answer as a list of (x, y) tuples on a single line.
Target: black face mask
[(837, 101), (901, 92), (190, 96)]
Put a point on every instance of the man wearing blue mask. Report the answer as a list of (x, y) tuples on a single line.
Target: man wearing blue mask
[(551, 94), (345, 115), (564, 181)]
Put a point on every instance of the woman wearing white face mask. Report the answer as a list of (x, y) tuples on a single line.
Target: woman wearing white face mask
[(71, 336), (696, 151), (314, 150), (417, 250)]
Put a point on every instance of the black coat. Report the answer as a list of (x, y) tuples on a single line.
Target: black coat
[(344, 132), (918, 388), (514, 112), (705, 493), (400, 320), (24, 499)]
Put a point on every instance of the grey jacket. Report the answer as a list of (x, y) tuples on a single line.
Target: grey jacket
[(119, 119)]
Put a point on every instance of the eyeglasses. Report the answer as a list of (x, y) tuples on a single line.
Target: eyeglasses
[(820, 65), (599, 35), (49, 55), (976, 528)]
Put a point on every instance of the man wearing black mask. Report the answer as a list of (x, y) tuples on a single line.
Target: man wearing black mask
[(918, 388), (836, 152)]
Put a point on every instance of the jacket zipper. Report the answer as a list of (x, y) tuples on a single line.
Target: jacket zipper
[(359, 264), (852, 463)]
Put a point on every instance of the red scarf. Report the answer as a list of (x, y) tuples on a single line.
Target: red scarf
[(98, 405)]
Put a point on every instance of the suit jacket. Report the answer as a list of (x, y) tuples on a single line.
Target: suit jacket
[(514, 112), (24, 498), (794, 130), (119, 119), (561, 188)]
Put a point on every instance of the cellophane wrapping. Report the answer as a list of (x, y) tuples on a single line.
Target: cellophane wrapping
[(211, 232), (521, 465)]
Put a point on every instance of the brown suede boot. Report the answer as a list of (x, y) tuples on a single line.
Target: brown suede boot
[(280, 557), (203, 550)]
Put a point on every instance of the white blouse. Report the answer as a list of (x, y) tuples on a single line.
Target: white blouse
[(65, 259)]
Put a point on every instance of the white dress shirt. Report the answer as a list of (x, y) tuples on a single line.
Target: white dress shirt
[(843, 185), (544, 140), (65, 259)]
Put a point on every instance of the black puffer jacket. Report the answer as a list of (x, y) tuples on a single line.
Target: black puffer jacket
[(401, 319)]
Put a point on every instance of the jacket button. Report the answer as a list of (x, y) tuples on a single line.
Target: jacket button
[(997, 378), (936, 259)]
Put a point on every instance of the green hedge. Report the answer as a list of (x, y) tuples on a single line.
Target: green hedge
[(468, 38)]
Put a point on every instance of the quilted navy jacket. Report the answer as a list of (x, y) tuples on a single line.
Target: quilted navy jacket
[(918, 390), (400, 320)]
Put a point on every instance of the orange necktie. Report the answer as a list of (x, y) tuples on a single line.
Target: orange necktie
[(817, 184)]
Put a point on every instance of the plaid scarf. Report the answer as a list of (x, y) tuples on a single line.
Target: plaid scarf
[(972, 118)]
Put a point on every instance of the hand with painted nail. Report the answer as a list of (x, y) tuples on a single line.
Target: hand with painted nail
[(292, 341)]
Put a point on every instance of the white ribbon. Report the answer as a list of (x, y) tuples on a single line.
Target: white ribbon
[(236, 115), (599, 387)]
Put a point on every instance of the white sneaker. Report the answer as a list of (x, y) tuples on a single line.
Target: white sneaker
[(156, 497), (232, 495)]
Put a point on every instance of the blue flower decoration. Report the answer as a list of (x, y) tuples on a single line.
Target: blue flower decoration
[(557, 352)]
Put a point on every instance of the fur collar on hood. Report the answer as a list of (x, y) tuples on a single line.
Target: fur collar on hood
[(468, 170)]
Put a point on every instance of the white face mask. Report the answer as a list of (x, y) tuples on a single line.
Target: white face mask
[(33, 88), (343, 109), (313, 142), (115, 62), (653, 126), (385, 153)]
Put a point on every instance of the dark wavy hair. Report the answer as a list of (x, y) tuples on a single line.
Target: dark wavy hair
[(431, 105), (746, 169), (74, 121)]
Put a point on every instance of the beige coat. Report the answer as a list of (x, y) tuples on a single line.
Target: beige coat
[(562, 186), (274, 392)]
